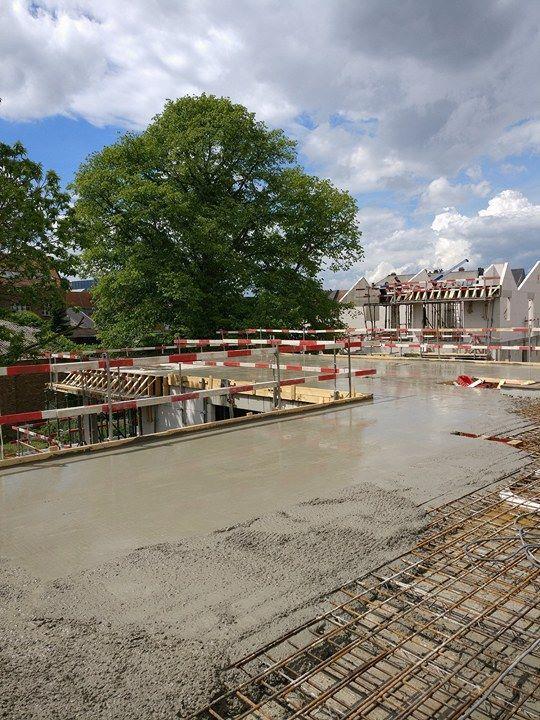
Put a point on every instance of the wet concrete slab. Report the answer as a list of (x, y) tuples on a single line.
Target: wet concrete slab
[(63, 516)]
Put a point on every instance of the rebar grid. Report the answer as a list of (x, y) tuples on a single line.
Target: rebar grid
[(449, 630)]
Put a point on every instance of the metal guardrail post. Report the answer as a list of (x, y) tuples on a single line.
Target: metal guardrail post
[(278, 379), (109, 393), (335, 371), (349, 364)]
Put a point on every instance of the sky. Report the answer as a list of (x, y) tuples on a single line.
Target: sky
[(427, 111)]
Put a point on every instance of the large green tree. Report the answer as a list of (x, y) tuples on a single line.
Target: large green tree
[(205, 221), (36, 244)]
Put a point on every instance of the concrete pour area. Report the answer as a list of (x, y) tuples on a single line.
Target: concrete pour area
[(130, 579)]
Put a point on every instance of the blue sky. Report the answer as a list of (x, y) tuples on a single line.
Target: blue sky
[(57, 142), (427, 111)]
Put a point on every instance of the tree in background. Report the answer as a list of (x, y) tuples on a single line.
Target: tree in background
[(36, 243), (205, 221)]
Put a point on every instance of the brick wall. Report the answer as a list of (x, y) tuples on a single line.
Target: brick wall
[(22, 393)]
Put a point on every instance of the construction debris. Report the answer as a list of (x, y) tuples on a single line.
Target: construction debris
[(491, 382)]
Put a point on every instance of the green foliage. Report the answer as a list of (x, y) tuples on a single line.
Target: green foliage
[(36, 232), (60, 322), (204, 221), (36, 240), (24, 334)]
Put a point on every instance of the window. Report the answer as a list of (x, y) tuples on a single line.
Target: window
[(507, 308)]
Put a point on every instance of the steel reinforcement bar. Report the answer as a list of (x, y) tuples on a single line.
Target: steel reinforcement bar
[(449, 630)]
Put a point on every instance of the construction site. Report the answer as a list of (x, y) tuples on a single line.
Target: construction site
[(275, 524), (269, 360)]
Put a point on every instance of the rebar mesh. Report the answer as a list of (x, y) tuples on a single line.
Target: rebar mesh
[(449, 630)]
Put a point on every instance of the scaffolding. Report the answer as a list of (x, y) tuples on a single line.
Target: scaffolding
[(449, 630)]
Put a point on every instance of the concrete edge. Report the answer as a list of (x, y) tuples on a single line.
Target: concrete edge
[(416, 357), (220, 425)]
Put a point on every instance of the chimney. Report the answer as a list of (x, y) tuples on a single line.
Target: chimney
[(480, 271)]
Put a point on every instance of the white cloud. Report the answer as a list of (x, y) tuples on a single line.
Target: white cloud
[(358, 163), (441, 193), (422, 91), (443, 84), (512, 168), (508, 228)]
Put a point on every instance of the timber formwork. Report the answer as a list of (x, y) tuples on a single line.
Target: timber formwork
[(94, 384), (449, 630)]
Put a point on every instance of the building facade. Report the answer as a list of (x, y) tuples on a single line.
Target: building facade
[(495, 300)]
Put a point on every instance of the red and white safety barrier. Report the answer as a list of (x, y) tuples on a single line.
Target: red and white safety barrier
[(454, 346), (180, 343), (294, 345), (62, 413), (246, 342), (31, 433), (284, 366), (442, 331), (287, 331), (153, 360), (288, 345)]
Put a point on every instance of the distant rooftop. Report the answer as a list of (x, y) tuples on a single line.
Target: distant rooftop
[(82, 284)]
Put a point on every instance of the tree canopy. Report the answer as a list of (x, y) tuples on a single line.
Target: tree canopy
[(206, 221), (36, 244)]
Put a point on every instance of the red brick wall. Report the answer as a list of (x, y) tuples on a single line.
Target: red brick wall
[(22, 393)]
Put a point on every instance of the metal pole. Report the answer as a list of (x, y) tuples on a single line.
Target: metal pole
[(349, 364), (204, 402), (278, 378), (335, 372), (183, 407), (109, 398)]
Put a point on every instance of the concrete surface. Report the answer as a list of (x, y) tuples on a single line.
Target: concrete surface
[(131, 578), (64, 516)]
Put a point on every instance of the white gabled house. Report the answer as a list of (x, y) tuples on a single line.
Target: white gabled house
[(496, 297)]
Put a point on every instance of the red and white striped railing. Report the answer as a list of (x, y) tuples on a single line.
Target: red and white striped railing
[(281, 366), (118, 406), (454, 346), (287, 331), (180, 343), (449, 331), (153, 360)]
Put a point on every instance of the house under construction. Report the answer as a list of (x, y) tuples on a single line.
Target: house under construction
[(490, 303)]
